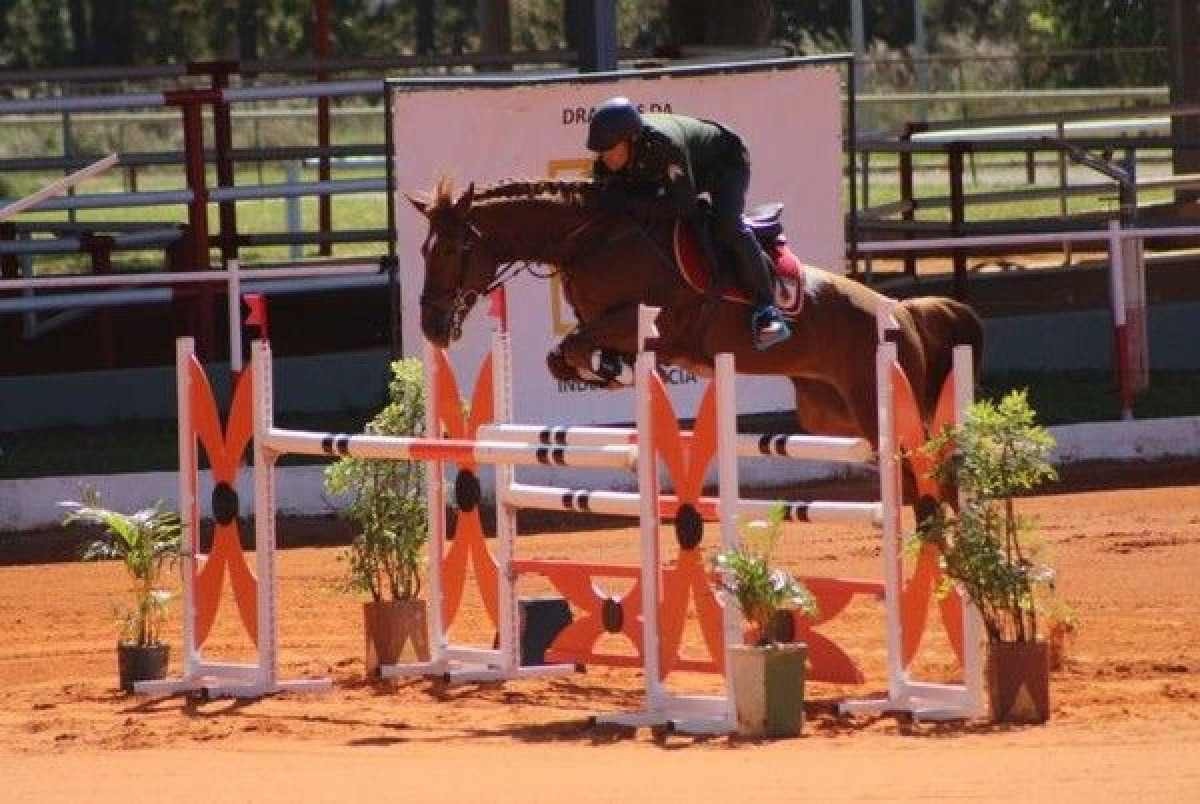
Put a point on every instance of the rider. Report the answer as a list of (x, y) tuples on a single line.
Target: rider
[(680, 157)]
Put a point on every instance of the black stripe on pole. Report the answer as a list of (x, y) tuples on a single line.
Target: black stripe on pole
[(773, 444), (577, 500)]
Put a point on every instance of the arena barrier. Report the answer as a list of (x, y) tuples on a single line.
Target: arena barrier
[(657, 640)]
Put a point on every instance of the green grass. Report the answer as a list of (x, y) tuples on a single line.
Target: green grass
[(350, 211), (1059, 398)]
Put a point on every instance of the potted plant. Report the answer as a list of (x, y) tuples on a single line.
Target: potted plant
[(1062, 623), (145, 542), (768, 675), (386, 503), (990, 552)]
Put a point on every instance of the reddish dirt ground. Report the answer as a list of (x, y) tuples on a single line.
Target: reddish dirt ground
[(1126, 707)]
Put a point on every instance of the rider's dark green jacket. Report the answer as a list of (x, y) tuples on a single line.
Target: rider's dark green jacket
[(682, 155)]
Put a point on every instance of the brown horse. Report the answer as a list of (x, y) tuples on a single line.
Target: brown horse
[(610, 263)]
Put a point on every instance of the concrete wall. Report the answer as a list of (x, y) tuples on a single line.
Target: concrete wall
[(302, 385), (1084, 340)]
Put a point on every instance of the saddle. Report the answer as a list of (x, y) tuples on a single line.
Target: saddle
[(766, 222)]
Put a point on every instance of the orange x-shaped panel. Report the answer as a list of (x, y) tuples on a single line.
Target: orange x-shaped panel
[(226, 450), (597, 611), (467, 545), (910, 438), (687, 459)]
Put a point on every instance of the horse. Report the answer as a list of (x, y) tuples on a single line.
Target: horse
[(611, 262)]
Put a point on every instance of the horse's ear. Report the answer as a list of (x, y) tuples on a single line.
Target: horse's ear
[(421, 204), (463, 206)]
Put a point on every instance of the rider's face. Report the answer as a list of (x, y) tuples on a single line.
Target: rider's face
[(616, 157)]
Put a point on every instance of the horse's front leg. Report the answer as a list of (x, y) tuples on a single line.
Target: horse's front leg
[(599, 352)]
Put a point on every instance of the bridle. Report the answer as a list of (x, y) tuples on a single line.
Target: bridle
[(462, 299)]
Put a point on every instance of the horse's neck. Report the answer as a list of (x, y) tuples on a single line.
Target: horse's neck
[(527, 230)]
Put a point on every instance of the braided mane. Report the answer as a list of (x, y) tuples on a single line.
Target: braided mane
[(573, 192)]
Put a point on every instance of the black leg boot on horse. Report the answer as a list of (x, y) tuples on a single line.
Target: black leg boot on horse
[(767, 324)]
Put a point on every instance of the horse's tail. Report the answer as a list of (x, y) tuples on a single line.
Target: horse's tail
[(943, 324)]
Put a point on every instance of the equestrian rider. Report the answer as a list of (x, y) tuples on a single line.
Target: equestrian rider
[(679, 157)]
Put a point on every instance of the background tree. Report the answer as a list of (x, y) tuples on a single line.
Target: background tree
[(713, 22)]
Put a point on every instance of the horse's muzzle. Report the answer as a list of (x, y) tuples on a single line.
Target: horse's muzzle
[(437, 327)]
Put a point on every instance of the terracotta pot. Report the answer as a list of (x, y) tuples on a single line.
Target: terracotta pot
[(1060, 638), (141, 663), (1018, 676), (394, 631), (768, 689)]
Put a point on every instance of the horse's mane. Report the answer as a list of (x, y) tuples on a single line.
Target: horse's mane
[(570, 192)]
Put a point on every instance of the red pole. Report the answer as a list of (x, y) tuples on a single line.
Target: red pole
[(10, 265), (321, 44), (190, 103), (498, 308), (99, 248), (218, 73)]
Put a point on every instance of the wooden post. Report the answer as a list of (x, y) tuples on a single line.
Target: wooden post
[(322, 46), (1184, 24), (908, 213), (958, 215), (593, 25), (495, 31)]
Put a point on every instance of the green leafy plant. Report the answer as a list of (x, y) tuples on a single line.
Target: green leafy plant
[(146, 541), (387, 498), (986, 547), (747, 578)]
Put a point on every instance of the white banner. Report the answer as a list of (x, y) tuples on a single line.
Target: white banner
[(790, 120)]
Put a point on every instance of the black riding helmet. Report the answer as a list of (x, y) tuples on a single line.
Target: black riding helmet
[(614, 120)]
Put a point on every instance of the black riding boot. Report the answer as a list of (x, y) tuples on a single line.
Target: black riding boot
[(767, 324)]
